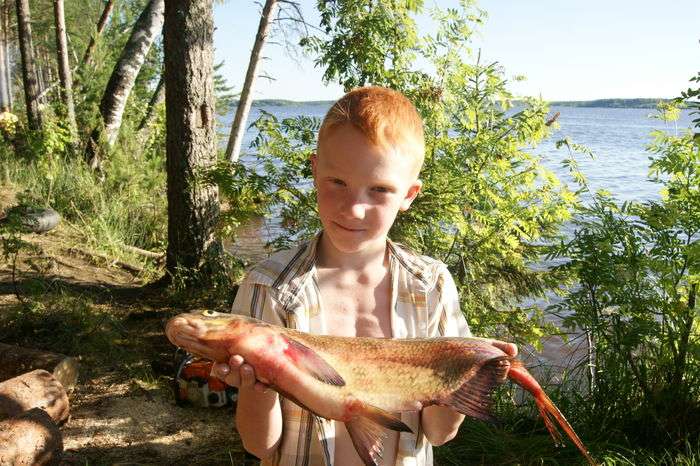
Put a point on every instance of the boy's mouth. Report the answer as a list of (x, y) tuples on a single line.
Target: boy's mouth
[(353, 230)]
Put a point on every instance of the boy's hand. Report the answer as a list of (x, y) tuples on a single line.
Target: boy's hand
[(238, 374)]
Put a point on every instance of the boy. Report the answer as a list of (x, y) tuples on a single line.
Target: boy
[(351, 280)]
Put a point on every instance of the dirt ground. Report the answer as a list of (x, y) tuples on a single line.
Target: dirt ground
[(122, 410)]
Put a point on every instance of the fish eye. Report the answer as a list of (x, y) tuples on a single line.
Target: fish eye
[(208, 313)]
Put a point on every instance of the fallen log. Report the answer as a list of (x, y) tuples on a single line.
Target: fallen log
[(31, 438), (36, 389), (15, 360)]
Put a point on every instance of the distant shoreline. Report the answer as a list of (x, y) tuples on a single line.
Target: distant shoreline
[(597, 103)]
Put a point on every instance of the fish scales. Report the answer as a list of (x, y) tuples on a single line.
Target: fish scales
[(424, 369), (363, 381)]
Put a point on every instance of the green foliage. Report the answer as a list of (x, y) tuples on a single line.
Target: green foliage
[(637, 268), (373, 39), (127, 208), (488, 206), (691, 98)]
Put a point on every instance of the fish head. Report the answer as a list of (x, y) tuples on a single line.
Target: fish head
[(207, 334)]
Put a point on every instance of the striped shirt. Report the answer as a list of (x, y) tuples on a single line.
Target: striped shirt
[(283, 290)]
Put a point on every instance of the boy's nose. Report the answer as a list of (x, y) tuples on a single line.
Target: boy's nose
[(355, 207), (357, 210)]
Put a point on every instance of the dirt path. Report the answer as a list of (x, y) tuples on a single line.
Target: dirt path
[(123, 409)]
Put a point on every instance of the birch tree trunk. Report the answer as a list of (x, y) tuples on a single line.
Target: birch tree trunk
[(29, 77), (6, 14), (233, 148), (5, 91), (145, 30), (147, 27), (193, 206), (109, 6), (64, 71)]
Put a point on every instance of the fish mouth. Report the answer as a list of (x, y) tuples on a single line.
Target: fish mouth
[(188, 334)]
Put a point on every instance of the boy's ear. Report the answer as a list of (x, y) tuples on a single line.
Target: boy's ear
[(411, 194), (314, 161)]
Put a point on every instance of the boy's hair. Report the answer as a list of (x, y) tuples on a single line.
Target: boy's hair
[(384, 116)]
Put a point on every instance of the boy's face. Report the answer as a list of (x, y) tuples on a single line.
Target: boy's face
[(361, 187)]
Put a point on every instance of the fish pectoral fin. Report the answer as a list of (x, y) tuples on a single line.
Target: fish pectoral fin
[(385, 419), (307, 359), (368, 430), (473, 397)]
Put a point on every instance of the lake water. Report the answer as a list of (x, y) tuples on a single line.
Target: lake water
[(618, 138)]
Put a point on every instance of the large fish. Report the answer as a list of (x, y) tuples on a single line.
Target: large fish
[(361, 381)]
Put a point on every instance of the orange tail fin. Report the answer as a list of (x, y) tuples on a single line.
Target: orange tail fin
[(548, 410)]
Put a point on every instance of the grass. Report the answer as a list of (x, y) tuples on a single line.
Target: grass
[(127, 208), (515, 442)]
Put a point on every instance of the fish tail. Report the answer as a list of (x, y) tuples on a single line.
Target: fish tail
[(548, 411)]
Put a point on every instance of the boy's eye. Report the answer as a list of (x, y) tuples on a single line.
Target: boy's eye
[(381, 189), (338, 182)]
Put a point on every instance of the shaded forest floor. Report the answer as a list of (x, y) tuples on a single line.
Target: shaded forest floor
[(57, 298)]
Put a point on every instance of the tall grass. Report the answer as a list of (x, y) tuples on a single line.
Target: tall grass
[(127, 207)]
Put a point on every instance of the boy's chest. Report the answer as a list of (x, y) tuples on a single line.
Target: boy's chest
[(356, 309)]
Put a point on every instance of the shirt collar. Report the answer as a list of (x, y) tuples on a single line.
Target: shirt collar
[(403, 257)]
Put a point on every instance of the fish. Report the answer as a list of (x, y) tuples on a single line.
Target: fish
[(362, 381)]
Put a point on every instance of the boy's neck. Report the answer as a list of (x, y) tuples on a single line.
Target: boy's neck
[(328, 256)]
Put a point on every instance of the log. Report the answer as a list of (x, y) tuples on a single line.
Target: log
[(15, 360), (31, 438), (36, 389)]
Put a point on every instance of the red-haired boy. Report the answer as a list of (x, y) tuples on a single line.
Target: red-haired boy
[(351, 280)]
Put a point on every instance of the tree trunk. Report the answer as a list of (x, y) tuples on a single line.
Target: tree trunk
[(29, 77), (46, 69), (157, 98), (145, 30), (233, 148), (193, 206), (64, 72), (36, 389), (4, 83), (7, 47), (31, 438), (109, 6)]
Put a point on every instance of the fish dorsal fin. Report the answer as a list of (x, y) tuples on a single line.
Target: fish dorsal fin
[(473, 397), (368, 430), (309, 361)]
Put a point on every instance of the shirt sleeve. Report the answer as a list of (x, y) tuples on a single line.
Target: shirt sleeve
[(255, 299), (446, 318)]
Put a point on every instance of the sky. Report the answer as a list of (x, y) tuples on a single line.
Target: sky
[(566, 49)]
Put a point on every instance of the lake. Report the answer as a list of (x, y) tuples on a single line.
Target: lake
[(618, 138)]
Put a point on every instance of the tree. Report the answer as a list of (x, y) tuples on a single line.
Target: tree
[(5, 67), (233, 148), (5, 91), (122, 80), (29, 76), (109, 6), (157, 97), (64, 71), (193, 206)]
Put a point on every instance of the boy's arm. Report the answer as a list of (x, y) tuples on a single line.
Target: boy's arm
[(440, 424), (258, 409)]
